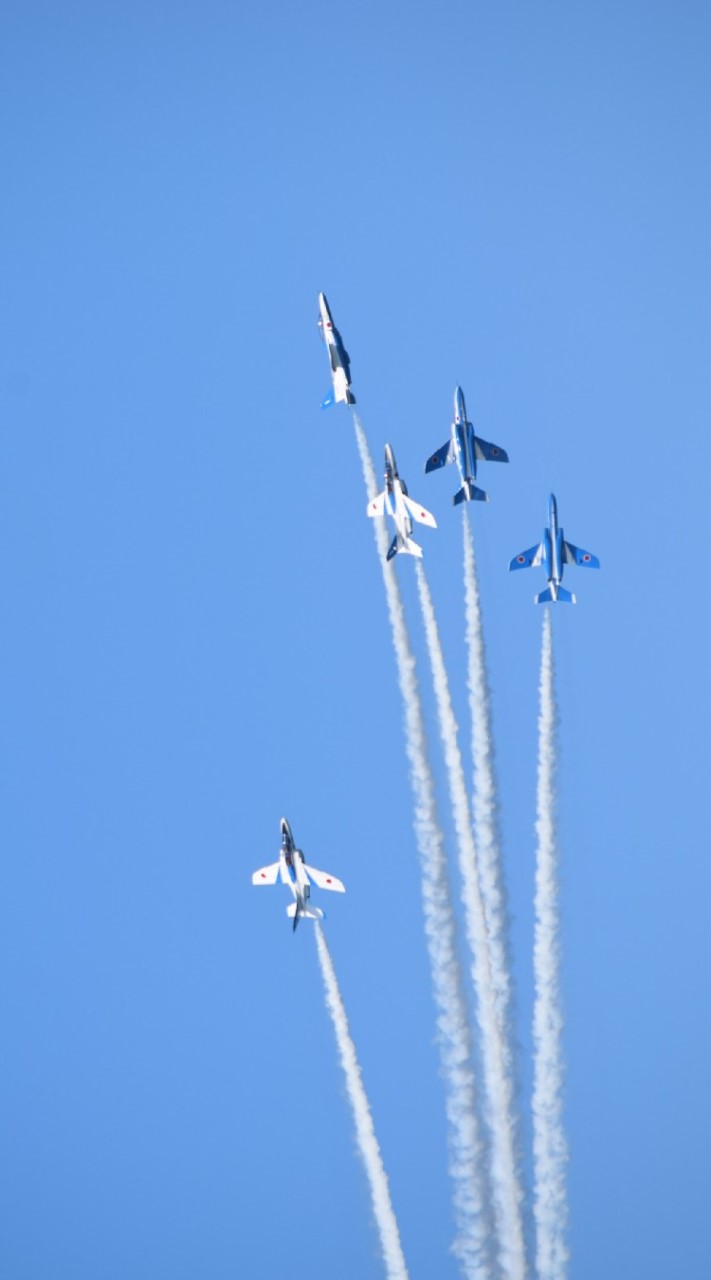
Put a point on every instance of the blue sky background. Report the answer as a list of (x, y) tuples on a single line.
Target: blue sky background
[(194, 641)]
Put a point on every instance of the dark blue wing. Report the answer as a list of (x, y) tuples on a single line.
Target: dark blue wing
[(440, 458), (525, 559), (486, 452), (576, 555)]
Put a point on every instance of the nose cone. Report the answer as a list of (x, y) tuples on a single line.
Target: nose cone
[(460, 409), (552, 509), (390, 459), (285, 829), (324, 311)]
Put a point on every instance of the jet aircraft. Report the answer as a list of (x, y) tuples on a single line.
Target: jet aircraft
[(294, 871), (465, 448), (553, 553), (340, 360), (396, 502)]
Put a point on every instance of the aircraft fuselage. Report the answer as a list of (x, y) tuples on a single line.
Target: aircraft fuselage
[(394, 489), (553, 547), (463, 438)]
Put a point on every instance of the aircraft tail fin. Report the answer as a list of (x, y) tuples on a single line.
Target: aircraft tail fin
[(469, 493), (566, 597), (350, 398)]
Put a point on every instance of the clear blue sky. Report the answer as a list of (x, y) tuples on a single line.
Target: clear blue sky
[(193, 638)]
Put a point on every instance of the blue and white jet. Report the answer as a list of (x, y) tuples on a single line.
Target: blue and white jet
[(465, 448), (294, 871), (554, 553), (340, 360), (396, 502)]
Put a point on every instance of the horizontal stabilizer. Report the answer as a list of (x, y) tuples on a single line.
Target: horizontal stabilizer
[(547, 597), (407, 545), (330, 399), (469, 493), (486, 452), (410, 547), (307, 912)]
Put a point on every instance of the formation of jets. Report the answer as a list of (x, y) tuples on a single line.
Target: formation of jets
[(465, 448)]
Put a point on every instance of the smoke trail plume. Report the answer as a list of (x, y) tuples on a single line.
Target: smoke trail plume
[(466, 1152), (549, 1145), (365, 1132), (497, 1077), (486, 827)]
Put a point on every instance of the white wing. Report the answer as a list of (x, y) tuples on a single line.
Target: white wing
[(324, 880), (377, 506), (266, 875), (419, 513)]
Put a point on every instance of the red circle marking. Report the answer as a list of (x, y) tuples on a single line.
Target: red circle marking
[(263, 876), (586, 557), (422, 513), (329, 880), (520, 559)]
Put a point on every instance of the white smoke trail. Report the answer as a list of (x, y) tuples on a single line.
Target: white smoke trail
[(466, 1152), (486, 827), (365, 1132), (497, 1077), (549, 1146)]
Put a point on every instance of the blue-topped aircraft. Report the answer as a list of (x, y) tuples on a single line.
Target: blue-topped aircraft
[(396, 502), (341, 392), (554, 553), (294, 871), (465, 448)]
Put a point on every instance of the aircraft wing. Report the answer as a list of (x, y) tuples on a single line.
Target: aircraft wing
[(576, 555), (534, 556), (486, 452), (266, 875), (377, 506), (419, 513), (323, 880), (442, 456)]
